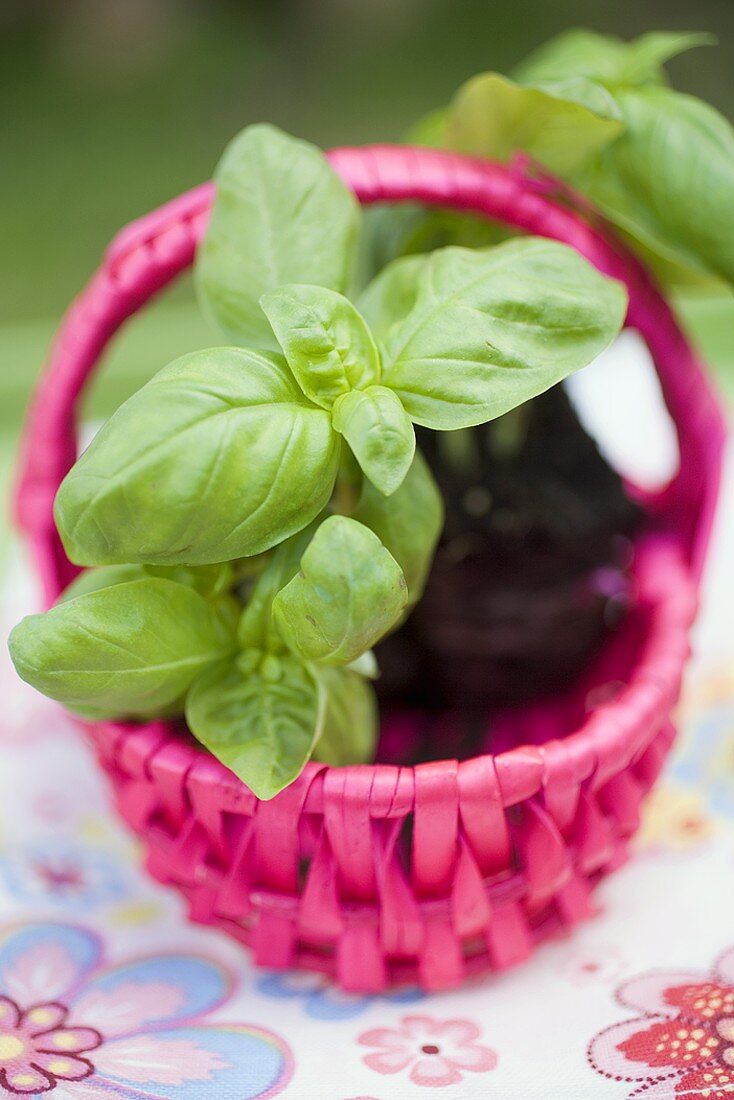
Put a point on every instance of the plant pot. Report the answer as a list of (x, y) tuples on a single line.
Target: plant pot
[(390, 873)]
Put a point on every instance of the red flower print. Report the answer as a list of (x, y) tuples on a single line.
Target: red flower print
[(436, 1052), (682, 1046)]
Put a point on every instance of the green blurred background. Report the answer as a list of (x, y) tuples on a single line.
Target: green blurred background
[(110, 107)]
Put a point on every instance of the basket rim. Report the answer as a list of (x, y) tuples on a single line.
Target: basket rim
[(144, 257)]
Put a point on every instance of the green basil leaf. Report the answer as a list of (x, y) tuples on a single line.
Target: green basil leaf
[(391, 295), (407, 230), (348, 592), (92, 580), (441, 227), (219, 456), (592, 95), (389, 231), (493, 117), (380, 433), (409, 523), (262, 724), (327, 343), (574, 53), (281, 215), (210, 581), (131, 649), (429, 130), (256, 628), (669, 180), (96, 714), (646, 55), (491, 329), (351, 720), (672, 271), (606, 58)]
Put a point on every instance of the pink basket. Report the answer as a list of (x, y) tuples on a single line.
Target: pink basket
[(385, 874)]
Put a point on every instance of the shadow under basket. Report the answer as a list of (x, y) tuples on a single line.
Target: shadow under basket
[(386, 874)]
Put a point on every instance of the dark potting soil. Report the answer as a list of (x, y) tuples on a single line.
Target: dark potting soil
[(530, 573)]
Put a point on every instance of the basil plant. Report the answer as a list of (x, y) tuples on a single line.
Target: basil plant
[(257, 517), (599, 114)]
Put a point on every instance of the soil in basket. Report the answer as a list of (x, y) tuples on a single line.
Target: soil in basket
[(530, 575)]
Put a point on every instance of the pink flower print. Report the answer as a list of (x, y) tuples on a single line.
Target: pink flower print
[(37, 1050), (583, 966), (84, 1031), (438, 1052), (682, 1046)]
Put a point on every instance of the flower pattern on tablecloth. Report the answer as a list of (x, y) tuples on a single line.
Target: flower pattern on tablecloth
[(74, 1027), (583, 965), (434, 1053), (706, 761), (681, 1047), (675, 819), (321, 999), (65, 875)]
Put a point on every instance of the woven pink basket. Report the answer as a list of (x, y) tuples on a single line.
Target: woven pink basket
[(385, 874)]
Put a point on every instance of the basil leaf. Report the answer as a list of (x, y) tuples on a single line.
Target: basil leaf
[(380, 433), (606, 58), (219, 456), (210, 581), (348, 593), (493, 117), (648, 53), (429, 130), (594, 96), (574, 53), (281, 215), (327, 343), (92, 580), (406, 231), (262, 724), (408, 523), (673, 151), (256, 628), (351, 720), (390, 231), (491, 329), (391, 295), (131, 649), (669, 180)]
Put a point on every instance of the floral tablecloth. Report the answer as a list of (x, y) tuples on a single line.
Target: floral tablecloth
[(107, 992)]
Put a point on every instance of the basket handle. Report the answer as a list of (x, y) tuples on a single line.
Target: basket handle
[(151, 252)]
